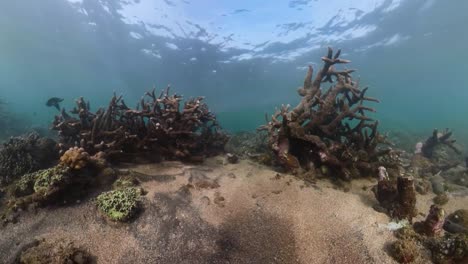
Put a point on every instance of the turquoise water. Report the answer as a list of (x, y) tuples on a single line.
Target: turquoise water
[(246, 57)]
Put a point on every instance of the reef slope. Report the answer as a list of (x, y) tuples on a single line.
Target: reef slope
[(220, 213)]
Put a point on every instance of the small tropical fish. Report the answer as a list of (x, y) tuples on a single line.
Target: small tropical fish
[(55, 102)]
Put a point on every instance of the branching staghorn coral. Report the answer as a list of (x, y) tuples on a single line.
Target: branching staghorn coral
[(330, 127), (161, 125)]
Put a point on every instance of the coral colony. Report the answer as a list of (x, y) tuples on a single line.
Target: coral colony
[(159, 125), (329, 127)]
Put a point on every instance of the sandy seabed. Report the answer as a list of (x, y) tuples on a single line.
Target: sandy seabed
[(224, 213)]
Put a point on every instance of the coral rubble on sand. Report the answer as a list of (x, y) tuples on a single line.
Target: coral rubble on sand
[(25, 154), (160, 125), (330, 127), (53, 252)]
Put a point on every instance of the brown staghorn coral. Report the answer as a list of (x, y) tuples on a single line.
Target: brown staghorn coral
[(330, 127), (160, 125)]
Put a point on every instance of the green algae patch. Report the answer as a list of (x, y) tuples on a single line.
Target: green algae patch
[(120, 205)]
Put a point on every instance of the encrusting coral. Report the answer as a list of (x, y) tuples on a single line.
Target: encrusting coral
[(159, 125), (330, 127), (121, 204)]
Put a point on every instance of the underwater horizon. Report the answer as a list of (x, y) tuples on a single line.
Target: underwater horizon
[(244, 61)]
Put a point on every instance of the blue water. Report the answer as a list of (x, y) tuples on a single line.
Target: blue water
[(245, 56)]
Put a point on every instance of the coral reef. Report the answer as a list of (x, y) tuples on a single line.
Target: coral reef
[(397, 198), (159, 125), (53, 252), (25, 154), (330, 127), (121, 204)]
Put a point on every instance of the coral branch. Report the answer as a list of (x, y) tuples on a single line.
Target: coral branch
[(160, 125)]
